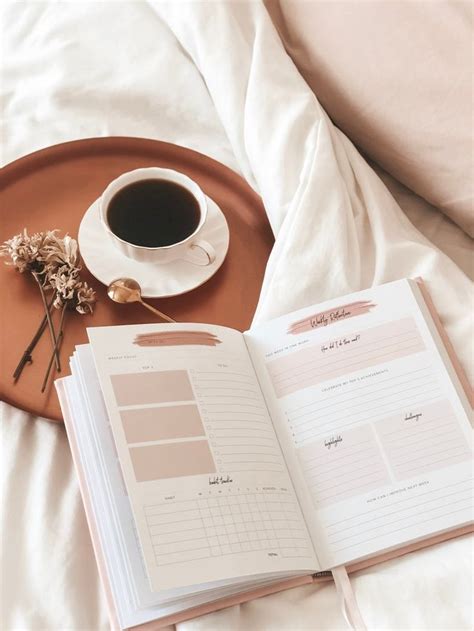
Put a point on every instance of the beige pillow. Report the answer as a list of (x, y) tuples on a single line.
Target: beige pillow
[(396, 77)]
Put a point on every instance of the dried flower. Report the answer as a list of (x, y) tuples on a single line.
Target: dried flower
[(54, 263), (63, 274), (59, 252), (85, 298), (63, 281), (28, 253), (71, 291)]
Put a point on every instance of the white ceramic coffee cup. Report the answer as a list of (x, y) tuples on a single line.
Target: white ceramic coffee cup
[(192, 248)]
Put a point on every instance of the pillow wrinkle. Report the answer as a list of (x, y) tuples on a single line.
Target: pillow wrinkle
[(396, 77)]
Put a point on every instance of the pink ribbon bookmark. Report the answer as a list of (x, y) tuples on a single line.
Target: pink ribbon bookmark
[(349, 606)]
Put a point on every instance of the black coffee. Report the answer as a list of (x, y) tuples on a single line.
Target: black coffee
[(153, 213)]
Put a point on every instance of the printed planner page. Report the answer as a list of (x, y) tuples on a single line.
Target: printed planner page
[(207, 482), (375, 433)]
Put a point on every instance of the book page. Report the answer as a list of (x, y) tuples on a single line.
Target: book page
[(206, 479), (375, 432), (113, 521)]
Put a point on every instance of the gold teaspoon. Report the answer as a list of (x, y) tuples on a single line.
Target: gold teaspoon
[(125, 290)]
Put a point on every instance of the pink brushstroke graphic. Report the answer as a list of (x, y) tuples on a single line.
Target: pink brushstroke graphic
[(330, 316), (177, 338)]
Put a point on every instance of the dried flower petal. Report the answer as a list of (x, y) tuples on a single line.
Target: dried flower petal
[(26, 253), (85, 298), (61, 251), (70, 289), (55, 263), (64, 280)]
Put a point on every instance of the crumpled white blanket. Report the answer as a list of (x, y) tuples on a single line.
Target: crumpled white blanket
[(201, 75)]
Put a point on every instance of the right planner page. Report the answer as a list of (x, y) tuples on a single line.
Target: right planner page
[(372, 419)]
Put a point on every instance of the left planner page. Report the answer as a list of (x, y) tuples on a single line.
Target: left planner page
[(209, 489)]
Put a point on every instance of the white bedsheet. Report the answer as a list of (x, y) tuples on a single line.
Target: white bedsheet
[(214, 77)]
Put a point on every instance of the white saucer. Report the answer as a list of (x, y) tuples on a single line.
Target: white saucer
[(106, 263)]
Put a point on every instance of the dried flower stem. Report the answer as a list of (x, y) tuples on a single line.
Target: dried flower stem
[(57, 346), (50, 322), (55, 265), (26, 357)]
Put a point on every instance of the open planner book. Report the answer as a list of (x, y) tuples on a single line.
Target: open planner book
[(215, 462)]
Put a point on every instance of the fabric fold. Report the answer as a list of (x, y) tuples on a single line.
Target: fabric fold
[(337, 227)]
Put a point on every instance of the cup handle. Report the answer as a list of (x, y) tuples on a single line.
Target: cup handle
[(207, 256)]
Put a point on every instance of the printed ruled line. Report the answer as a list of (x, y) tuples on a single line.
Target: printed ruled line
[(233, 420), (226, 388), (395, 512), (429, 454), (426, 442), (239, 427), (166, 523), (161, 554), (370, 483), (438, 461), (274, 496), (251, 453), (367, 419), (171, 508), (410, 434), (351, 463), (250, 470), (331, 453), (412, 333), (326, 375), (245, 405), (232, 462), (157, 545), (235, 444), (170, 533), (246, 433), (366, 401), (268, 437), (245, 383), (326, 367), (342, 457), (222, 372), (267, 465), (238, 412), (371, 409), (246, 454), (335, 477), (236, 524), (266, 549), (368, 385), (335, 486), (227, 396), (406, 499), (377, 390), (358, 543), (423, 423)]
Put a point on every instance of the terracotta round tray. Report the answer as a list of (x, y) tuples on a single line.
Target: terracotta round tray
[(52, 188)]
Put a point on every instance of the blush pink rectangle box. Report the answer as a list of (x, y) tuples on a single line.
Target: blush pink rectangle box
[(172, 421), (422, 439), (313, 365), (172, 460), (143, 388), (337, 471)]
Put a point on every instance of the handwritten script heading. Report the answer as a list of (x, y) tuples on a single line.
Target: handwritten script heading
[(333, 442), (330, 316)]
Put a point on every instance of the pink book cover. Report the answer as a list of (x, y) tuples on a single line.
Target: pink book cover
[(276, 587)]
